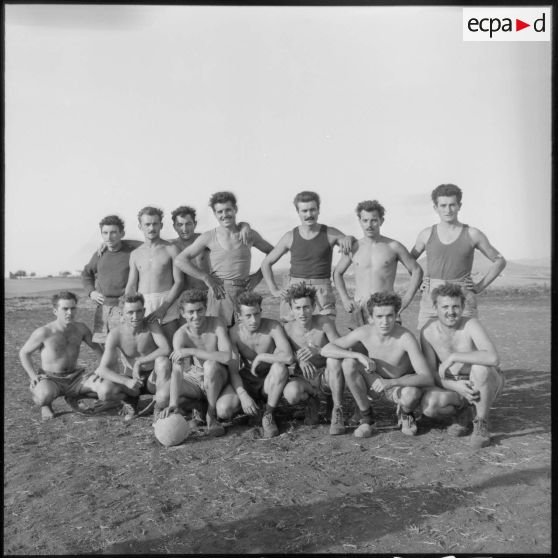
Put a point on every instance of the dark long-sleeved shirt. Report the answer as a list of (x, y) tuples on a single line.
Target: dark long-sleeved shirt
[(108, 274)]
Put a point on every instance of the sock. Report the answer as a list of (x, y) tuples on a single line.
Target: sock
[(366, 416), (269, 409)]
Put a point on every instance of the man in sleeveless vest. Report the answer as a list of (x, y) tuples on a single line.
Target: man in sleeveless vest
[(450, 246), (311, 245), (229, 259)]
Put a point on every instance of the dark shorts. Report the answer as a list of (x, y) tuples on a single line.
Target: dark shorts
[(255, 384), (465, 373), (146, 376), (68, 385)]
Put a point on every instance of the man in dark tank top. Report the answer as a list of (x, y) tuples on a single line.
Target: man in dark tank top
[(450, 247), (311, 245)]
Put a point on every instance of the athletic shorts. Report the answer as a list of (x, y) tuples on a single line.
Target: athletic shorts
[(154, 300), (318, 381), (106, 317), (427, 311), (465, 372), (360, 314), (192, 376), (225, 307), (255, 384), (391, 394), (68, 385), (325, 298)]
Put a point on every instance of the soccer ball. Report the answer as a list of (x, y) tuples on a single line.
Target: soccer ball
[(171, 430)]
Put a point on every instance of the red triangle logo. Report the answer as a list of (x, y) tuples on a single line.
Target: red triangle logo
[(519, 25)]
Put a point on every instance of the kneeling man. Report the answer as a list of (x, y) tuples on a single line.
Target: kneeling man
[(201, 353), (394, 367), (469, 378), (313, 373), (59, 343), (143, 350), (261, 354)]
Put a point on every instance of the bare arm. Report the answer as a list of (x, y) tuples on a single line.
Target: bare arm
[(133, 276), (413, 268), (340, 349), (342, 241), (339, 281), (223, 354), (498, 262), (283, 246), (88, 339), (265, 247), (420, 244), (163, 348), (485, 353), (283, 353), (108, 364), (34, 343)]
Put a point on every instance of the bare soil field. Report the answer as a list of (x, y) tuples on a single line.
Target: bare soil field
[(79, 484)]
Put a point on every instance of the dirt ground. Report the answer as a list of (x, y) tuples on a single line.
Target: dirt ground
[(80, 484)]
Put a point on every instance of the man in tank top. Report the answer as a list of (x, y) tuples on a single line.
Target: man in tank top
[(450, 246), (311, 245), (229, 259)]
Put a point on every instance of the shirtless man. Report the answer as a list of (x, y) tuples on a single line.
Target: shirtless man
[(394, 367), (311, 245), (261, 354), (374, 258), (229, 258), (313, 373), (466, 361), (59, 343), (104, 278), (450, 248), (143, 350), (153, 274), (201, 353), (184, 223)]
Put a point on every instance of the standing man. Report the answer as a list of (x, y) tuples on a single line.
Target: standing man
[(394, 366), (104, 278), (184, 223), (261, 354), (374, 258), (143, 350), (229, 259), (466, 361), (59, 344), (311, 245), (450, 248), (313, 373), (153, 274)]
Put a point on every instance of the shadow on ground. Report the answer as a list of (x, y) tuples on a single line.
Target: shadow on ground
[(307, 528)]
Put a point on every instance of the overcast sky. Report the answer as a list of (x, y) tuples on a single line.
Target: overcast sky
[(111, 108)]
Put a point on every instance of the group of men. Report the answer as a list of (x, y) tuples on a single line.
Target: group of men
[(180, 320)]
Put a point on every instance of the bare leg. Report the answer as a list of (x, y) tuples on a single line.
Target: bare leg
[(215, 376), (334, 378), (44, 393)]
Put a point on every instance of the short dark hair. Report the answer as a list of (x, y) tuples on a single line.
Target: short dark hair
[(249, 298), (191, 296), (384, 298), (300, 290), (305, 197), (63, 295), (150, 210), (112, 220), (222, 197), (448, 289), (131, 299), (182, 211), (446, 190), (370, 205)]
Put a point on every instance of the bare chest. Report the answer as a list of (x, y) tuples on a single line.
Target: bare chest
[(154, 259), (63, 343), (378, 257), (139, 344)]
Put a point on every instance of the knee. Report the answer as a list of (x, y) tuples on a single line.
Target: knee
[(349, 368), (44, 393), (226, 406), (293, 393), (107, 390), (333, 367), (210, 369), (480, 374), (429, 405), (279, 373), (410, 397), (163, 366)]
